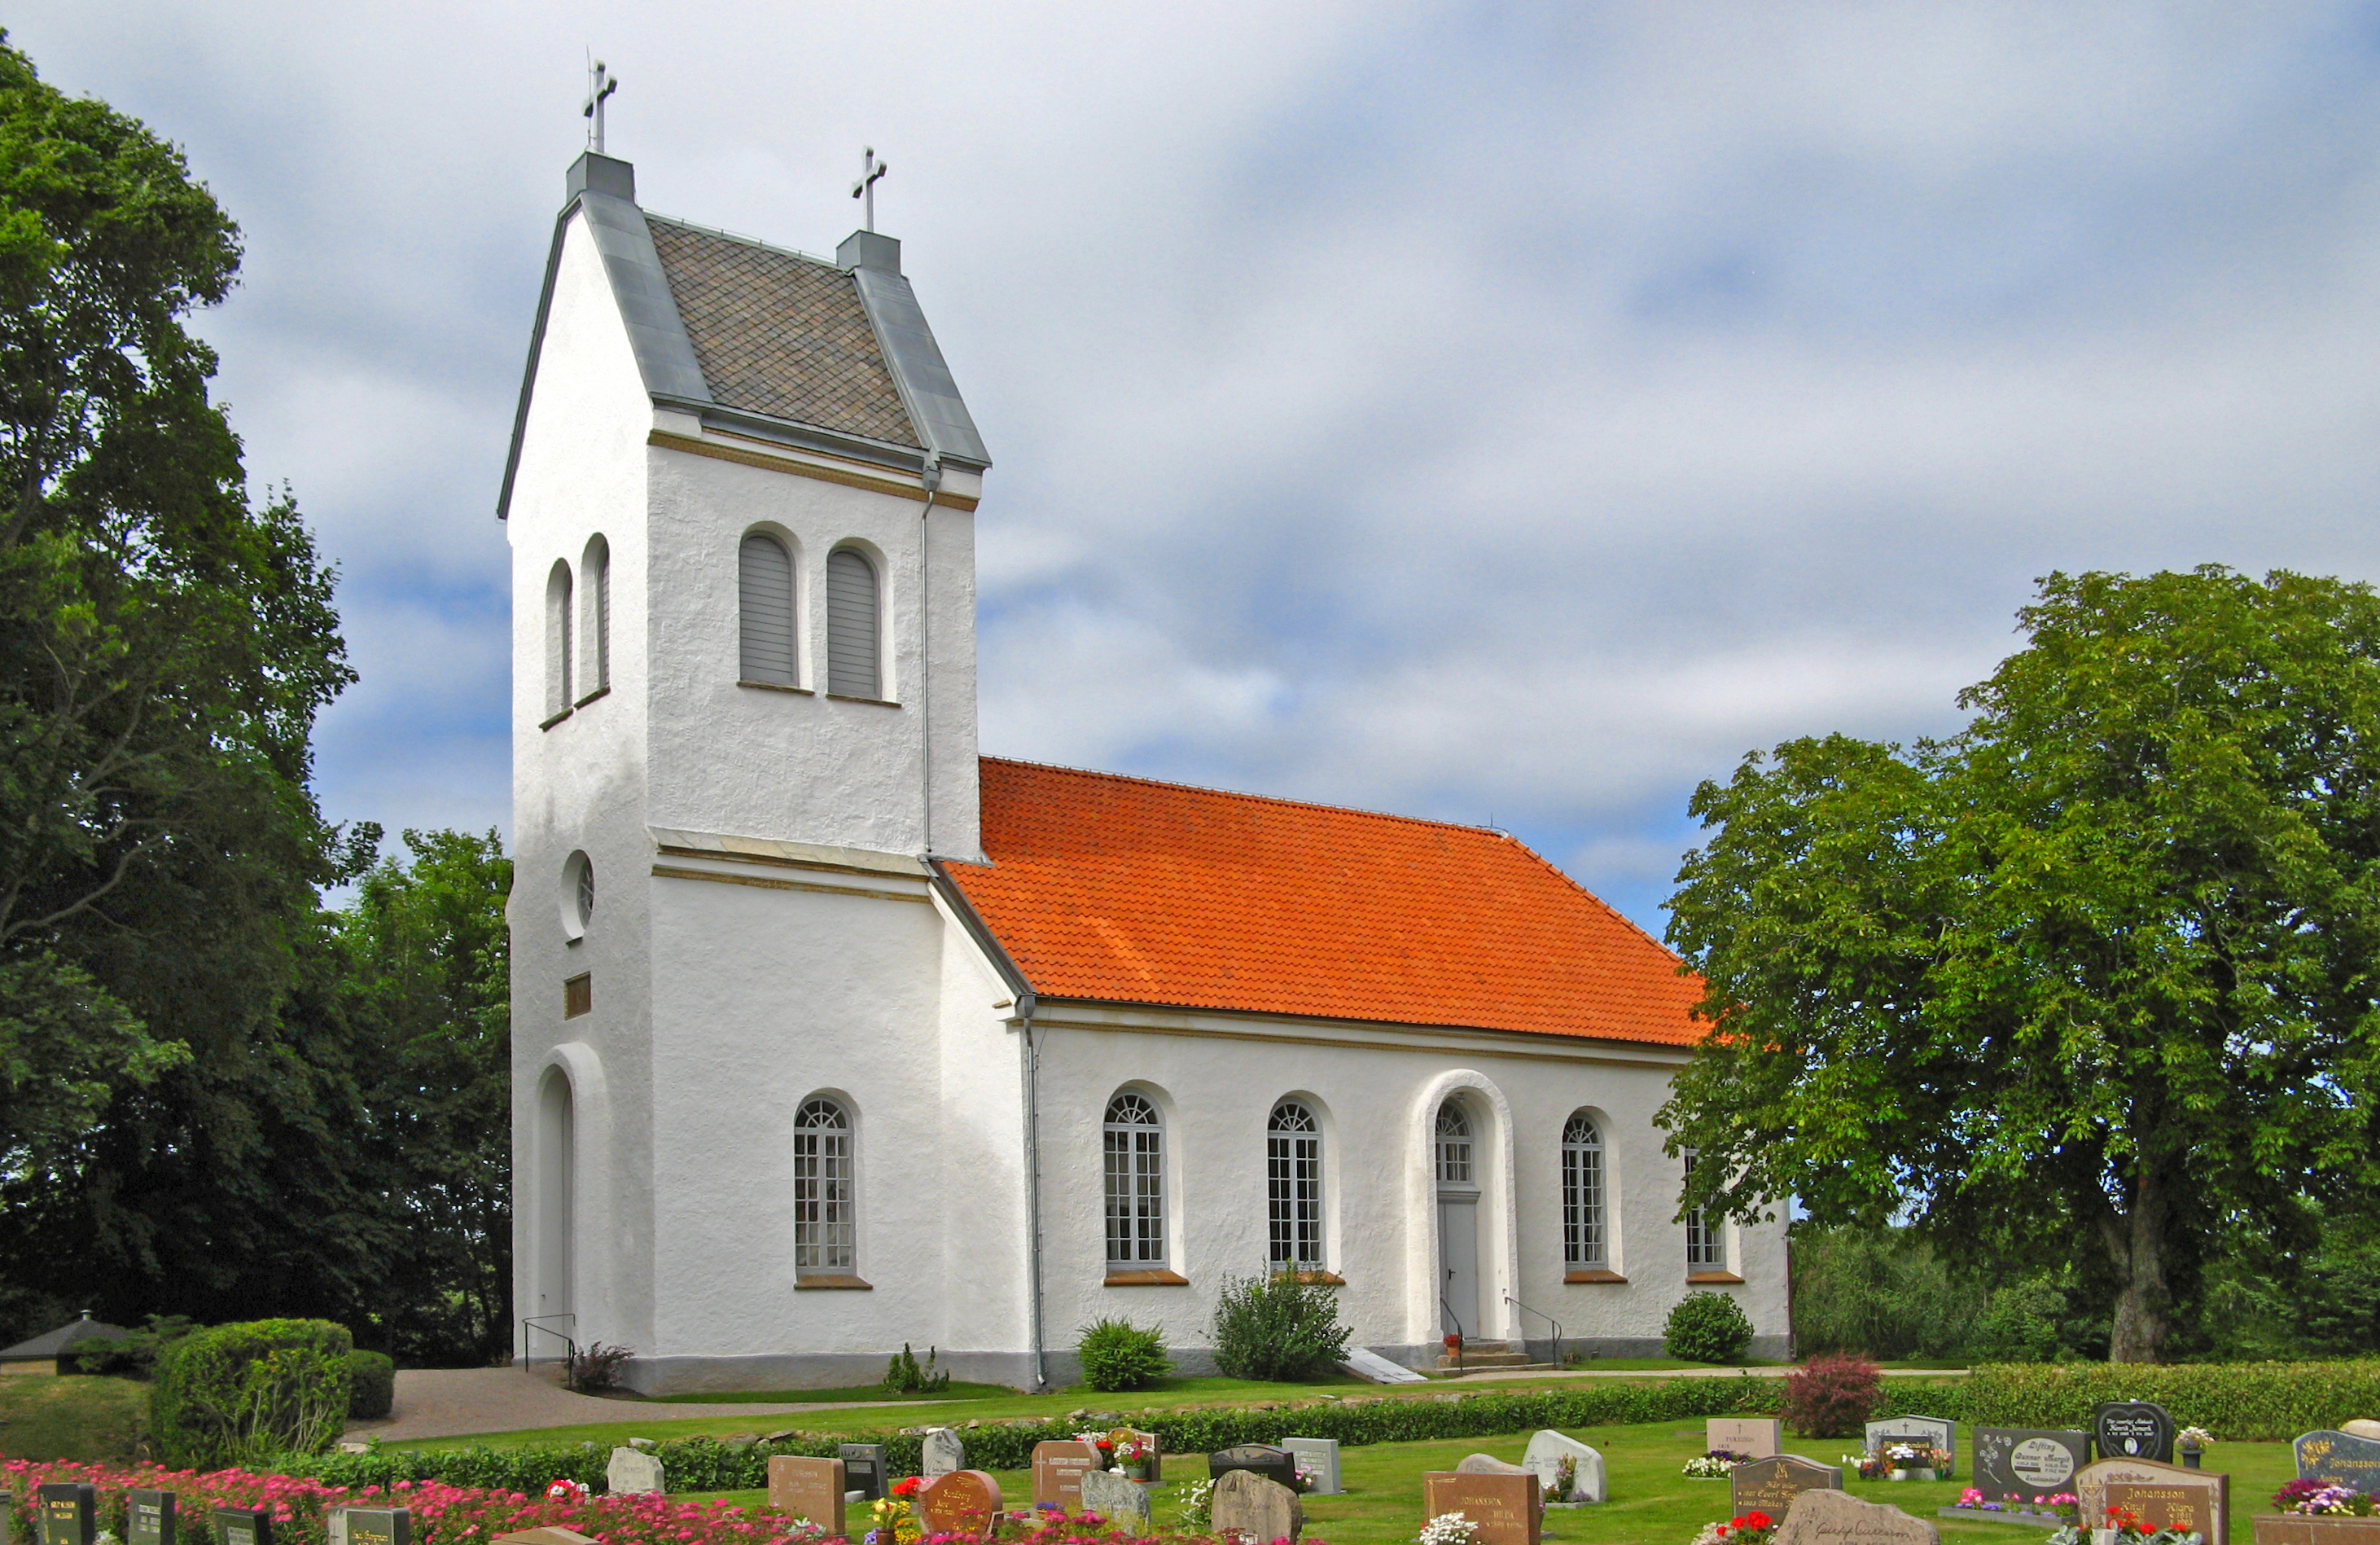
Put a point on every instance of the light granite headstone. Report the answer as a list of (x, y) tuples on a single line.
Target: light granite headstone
[(962, 1502), (1321, 1456), (2163, 1487), (1508, 1508), (1247, 1505), (1771, 1484), (1753, 1437), (1058, 1469), (630, 1470), (2340, 1457), (1823, 1517), (1118, 1500), (2362, 1426), (811, 1489), (2027, 1461), (1931, 1431), (1546, 1451), (944, 1454), (1488, 1464)]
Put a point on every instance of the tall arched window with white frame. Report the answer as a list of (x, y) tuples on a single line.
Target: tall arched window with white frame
[(1135, 1142), (557, 638), (1706, 1235), (1453, 1146), (1586, 1245), (1294, 1188), (826, 1233)]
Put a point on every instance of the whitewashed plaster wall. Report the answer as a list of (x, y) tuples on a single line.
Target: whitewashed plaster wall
[(578, 785)]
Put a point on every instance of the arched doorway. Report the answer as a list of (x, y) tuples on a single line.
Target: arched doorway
[(1457, 1163), (557, 1174)]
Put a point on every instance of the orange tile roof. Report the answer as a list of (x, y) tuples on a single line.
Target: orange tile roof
[(1124, 890)]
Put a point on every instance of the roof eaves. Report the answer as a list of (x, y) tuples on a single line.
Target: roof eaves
[(1161, 1007), (798, 435), (928, 392), (979, 927)]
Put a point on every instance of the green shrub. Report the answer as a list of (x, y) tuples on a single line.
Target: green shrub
[(236, 1395), (371, 1385), (1832, 1397), (1706, 1328), (1277, 1328), (1117, 1355), (902, 1376), (134, 1353)]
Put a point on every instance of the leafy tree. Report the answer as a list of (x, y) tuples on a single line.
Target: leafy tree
[(2089, 983)]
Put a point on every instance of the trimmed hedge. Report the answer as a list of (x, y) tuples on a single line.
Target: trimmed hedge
[(236, 1395), (2244, 1402), (371, 1385)]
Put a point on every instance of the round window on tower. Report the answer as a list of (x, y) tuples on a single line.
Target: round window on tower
[(578, 896)]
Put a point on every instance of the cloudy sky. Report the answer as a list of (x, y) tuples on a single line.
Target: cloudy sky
[(1495, 413)]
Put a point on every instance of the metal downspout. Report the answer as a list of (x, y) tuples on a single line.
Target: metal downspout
[(1025, 1004)]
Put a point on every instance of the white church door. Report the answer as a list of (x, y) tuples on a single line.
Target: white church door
[(557, 1187), (1457, 1223)]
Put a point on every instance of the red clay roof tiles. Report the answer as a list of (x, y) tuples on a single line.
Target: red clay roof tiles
[(1123, 890)]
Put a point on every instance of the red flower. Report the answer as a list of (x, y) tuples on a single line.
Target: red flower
[(908, 1488), (1757, 1520)]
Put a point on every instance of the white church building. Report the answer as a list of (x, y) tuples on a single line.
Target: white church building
[(831, 1035)]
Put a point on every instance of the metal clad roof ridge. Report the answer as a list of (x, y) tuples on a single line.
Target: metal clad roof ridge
[(741, 239), (920, 374)]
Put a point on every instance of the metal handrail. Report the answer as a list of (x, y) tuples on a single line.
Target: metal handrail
[(1550, 1320), (570, 1344)]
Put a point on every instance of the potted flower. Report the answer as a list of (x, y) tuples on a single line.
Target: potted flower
[(1134, 1455), (2192, 1442), (1914, 1462)]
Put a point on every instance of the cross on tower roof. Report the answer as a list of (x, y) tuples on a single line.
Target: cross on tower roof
[(870, 170), (601, 84)]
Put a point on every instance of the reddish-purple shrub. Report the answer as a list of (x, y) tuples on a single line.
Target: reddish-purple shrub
[(1832, 1397)]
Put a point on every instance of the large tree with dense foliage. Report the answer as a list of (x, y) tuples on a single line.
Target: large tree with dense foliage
[(2090, 983)]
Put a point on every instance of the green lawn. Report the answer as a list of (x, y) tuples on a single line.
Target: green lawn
[(80, 1416), (1651, 1502)]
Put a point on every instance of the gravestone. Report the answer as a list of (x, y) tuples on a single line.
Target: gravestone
[(2340, 1457), (334, 1522), (1930, 1431), (1508, 1509), (1275, 1464), (961, 1502), (944, 1455), (2029, 1461), (1246, 1503), (630, 1470), (2299, 1528), (2206, 1492), (2173, 1505), (148, 1518), (244, 1526), (1822, 1517), (379, 1525), (1321, 1456), (1148, 1439), (1058, 1473), (1544, 1460), (1488, 1464), (2133, 1430), (69, 1513), (1772, 1483), (2362, 1426), (866, 1469), (1117, 1500), (811, 1488), (1751, 1437)]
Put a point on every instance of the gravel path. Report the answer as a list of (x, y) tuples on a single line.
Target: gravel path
[(458, 1401)]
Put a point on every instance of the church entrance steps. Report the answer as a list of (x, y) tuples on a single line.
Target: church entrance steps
[(1486, 1353)]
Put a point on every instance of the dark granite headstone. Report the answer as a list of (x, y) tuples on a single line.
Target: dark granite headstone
[(2133, 1430), (864, 1468), (1770, 1483), (244, 1526), (148, 1518), (2030, 1460), (1275, 1464), (380, 1526), (2340, 1457), (69, 1513)]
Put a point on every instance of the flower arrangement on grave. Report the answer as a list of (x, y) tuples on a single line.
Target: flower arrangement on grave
[(1303, 1475), (908, 1487), (1914, 1462), (1447, 1529), (1714, 1466), (1194, 1504), (2325, 1497), (896, 1522), (568, 1491), (2060, 1504), (2123, 1526), (1134, 1453), (2194, 1438), (1748, 1529), (1565, 1477)]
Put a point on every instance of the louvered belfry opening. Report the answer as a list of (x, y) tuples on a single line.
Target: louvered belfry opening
[(766, 594), (851, 627)]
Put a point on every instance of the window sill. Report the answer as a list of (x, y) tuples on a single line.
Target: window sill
[(879, 702), (1145, 1279), (819, 1284), (1597, 1275), (548, 722), (1712, 1277), (777, 687), (599, 692)]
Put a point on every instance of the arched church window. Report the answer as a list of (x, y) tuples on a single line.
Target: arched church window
[(765, 598), (557, 638), (851, 627), (1136, 1182), (1294, 1188), (825, 1231), (1706, 1235), (1584, 1246), (1454, 1167), (595, 619)]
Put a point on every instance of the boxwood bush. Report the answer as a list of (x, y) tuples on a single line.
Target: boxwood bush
[(236, 1395), (1118, 1355), (371, 1385), (1706, 1328)]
